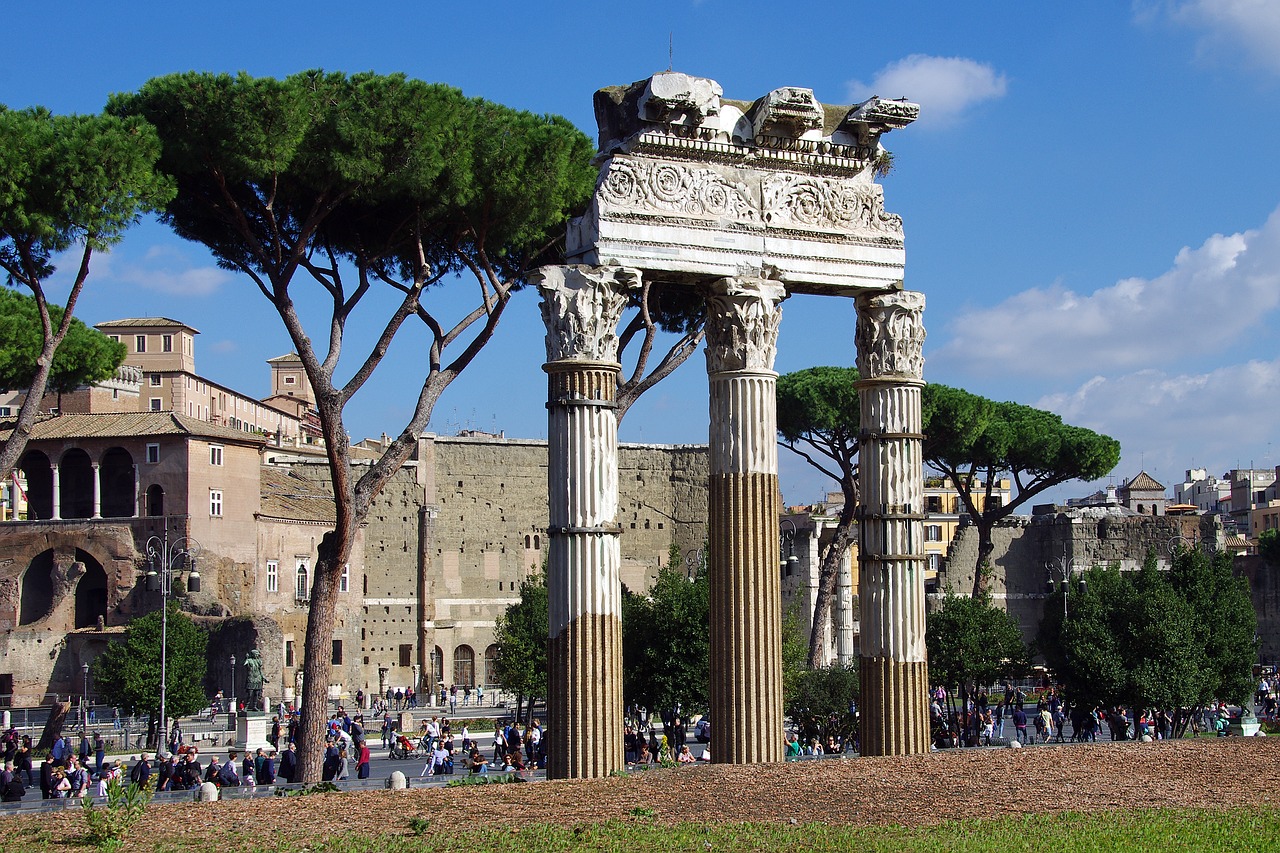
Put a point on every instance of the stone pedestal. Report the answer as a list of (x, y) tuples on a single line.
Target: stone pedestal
[(581, 308), (893, 669), (743, 508), (251, 731)]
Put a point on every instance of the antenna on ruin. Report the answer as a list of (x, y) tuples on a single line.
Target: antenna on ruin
[(671, 49)]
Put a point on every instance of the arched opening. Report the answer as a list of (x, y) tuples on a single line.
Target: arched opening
[(75, 483), (464, 666), (119, 500), (155, 500), (491, 665), (91, 592), (301, 590), (438, 666), (39, 476), (37, 589)]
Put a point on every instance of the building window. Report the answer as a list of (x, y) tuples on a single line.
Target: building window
[(933, 503), (166, 343), (215, 503), (155, 404), (115, 338), (288, 652), (933, 533), (273, 575), (140, 343), (464, 666), (301, 590), (5, 411), (337, 653), (215, 454), (344, 583), (289, 380), (994, 502), (155, 380), (406, 654), (153, 453), (935, 562)]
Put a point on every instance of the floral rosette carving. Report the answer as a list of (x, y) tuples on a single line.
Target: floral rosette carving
[(673, 188), (819, 203)]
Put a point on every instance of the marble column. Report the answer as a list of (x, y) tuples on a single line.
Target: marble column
[(97, 490), (846, 650), (581, 307), (57, 492), (743, 508), (892, 666)]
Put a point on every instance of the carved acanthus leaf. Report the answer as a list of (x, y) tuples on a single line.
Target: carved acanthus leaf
[(828, 204), (890, 335), (581, 306), (742, 324)]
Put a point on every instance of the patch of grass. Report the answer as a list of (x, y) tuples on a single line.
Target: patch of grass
[(419, 825), (484, 779), (642, 811), (1241, 828)]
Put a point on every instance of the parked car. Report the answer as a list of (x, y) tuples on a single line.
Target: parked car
[(702, 731)]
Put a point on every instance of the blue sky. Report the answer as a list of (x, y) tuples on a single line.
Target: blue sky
[(1091, 198)]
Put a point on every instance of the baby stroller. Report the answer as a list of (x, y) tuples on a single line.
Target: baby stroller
[(404, 748)]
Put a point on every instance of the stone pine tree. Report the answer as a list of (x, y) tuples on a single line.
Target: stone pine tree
[(69, 184), (975, 441), (84, 356), (127, 674), (818, 420), (322, 187)]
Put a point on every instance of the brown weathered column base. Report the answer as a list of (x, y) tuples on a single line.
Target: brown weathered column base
[(584, 681), (746, 620), (894, 706)]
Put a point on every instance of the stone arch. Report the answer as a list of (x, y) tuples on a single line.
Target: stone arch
[(155, 499), (75, 484), (36, 599), (464, 666), (91, 591), (119, 489), (491, 665), (39, 476)]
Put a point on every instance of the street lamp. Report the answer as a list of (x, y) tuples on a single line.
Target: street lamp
[(84, 704), (231, 694), (164, 560), (692, 562), (789, 562), (1065, 570)]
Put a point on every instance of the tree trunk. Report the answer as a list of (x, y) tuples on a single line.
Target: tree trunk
[(827, 575), (317, 661), (982, 571), (53, 726)]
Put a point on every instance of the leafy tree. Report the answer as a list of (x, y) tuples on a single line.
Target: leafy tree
[(974, 441), (819, 420), (127, 674), (1269, 546), (821, 702), (84, 356), (666, 648), (1150, 638), (972, 643), (521, 637), (66, 182), (335, 185)]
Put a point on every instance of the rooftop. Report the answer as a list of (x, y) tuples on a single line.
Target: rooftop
[(128, 425), (158, 322)]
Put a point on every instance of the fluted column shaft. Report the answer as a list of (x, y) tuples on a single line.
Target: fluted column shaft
[(846, 651), (893, 670), (581, 308), (744, 504)]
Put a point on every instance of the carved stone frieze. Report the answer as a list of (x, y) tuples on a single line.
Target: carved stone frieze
[(676, 188), (742, 324), (890, 335), (581, 306), (827, 204)]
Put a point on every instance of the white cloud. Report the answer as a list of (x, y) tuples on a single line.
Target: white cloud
[(1169, 422), (943, 86), (1228, 25), (1198, 307), (163, 269)]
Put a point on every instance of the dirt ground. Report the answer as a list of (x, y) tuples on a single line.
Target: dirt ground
[(942, 786)]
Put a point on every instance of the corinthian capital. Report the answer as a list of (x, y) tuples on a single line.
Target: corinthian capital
[(890, 336), (581, 306), (742, 324)]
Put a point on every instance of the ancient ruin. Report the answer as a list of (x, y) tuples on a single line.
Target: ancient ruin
[(749, 202)]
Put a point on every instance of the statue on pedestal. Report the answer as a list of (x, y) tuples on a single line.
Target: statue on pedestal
[(253, 681)]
